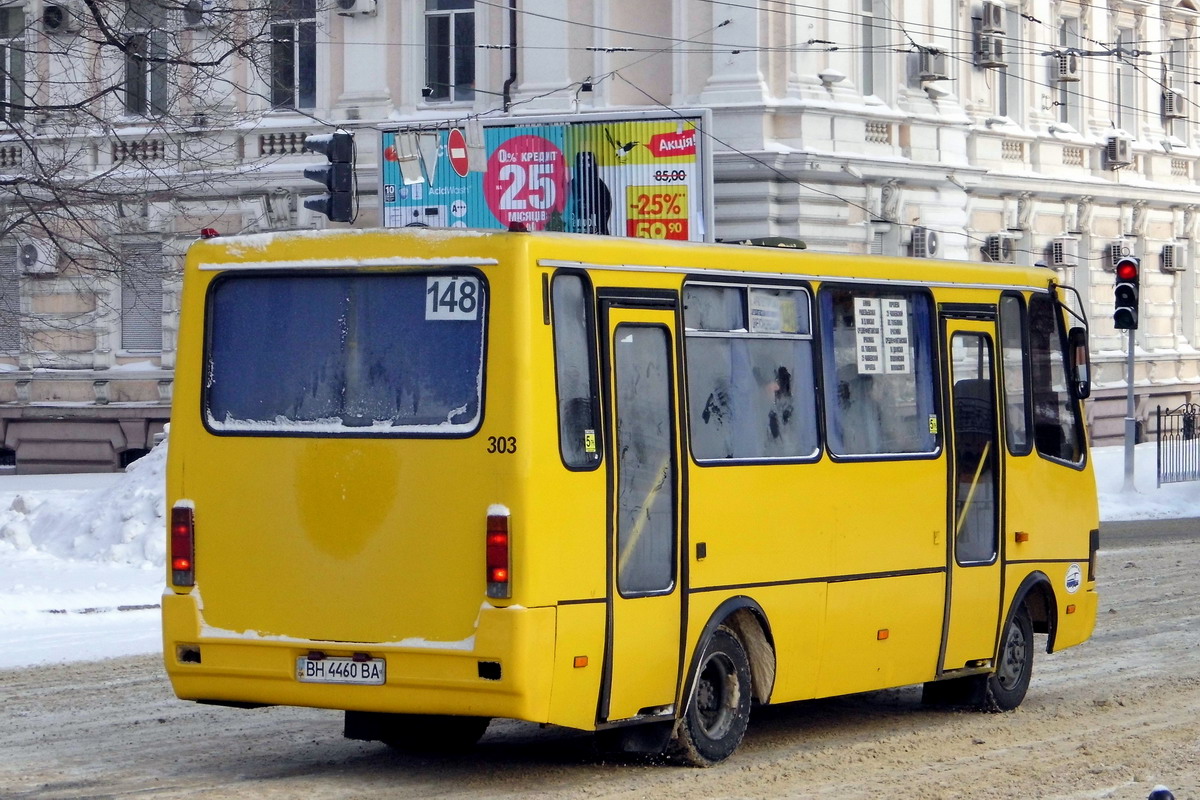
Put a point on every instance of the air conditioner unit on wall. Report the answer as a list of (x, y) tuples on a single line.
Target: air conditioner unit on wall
[(350, 7), (993, 18), (1118, 152), (1171, 258), (1064, 251), (64, 16), (1172, 104), (989, 54), (1114, 252), (199, 13), (925, 243), (37, 255), (1066, 67), (1000, 248), (931, 64)]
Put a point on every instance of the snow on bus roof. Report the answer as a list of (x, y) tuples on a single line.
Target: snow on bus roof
[(247, 252), (342, 263), (243, 243)]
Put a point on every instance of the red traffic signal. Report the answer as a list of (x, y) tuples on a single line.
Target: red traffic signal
[(1125, 296)]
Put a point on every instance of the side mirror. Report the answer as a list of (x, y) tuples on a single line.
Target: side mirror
[(1081, 362)]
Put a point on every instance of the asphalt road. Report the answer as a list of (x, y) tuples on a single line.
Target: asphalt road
[(1125, 534), (1108, 719)]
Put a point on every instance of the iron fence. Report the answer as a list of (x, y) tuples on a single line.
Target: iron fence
[(1178, 444)]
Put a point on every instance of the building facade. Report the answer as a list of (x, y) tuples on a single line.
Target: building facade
[(1037, 131)]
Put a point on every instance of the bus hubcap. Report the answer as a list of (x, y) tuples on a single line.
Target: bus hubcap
[(716, 695), (1013, 661)]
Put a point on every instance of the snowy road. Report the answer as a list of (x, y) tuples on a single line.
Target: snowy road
[(1108, 719)]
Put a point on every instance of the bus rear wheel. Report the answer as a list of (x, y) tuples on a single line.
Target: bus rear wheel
[(718, 709), (1006, 687)]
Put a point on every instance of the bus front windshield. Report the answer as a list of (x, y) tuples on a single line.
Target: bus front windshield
[(345, 354)]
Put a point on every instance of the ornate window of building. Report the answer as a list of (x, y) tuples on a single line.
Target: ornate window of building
[(146, 68), (12, 64), (1068, 98), (1177, 107), (142, 297), (293, 53), (1125, 99), (10, 300), (1009, 79), (874, 46), (449, 50)]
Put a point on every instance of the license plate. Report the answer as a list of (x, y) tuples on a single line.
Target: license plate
[(336, 669)]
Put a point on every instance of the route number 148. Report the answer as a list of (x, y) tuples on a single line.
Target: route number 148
[(451, 297)]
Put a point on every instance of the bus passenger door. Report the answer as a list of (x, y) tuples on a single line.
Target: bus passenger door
[(644, 613), (976, 496)]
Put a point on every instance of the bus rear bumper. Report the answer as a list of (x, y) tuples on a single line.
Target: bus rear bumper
[(504, 671)]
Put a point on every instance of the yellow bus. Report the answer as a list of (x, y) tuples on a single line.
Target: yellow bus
[(432, 478)]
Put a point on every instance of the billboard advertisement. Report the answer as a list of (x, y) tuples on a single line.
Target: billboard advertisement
[(631, 176)]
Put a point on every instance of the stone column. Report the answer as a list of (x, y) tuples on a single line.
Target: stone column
[(542, 71), (737, 77)]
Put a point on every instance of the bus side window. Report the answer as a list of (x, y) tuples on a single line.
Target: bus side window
[(750, 373), (1057, 429), (575, 374), (1016, 381), (877, 359)]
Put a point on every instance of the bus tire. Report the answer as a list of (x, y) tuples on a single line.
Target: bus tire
[(433, 733), (718, 708), (1006, 687)]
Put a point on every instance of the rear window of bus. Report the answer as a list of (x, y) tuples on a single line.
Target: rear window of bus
[(339, 354)]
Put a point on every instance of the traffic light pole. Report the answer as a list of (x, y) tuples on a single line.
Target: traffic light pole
[(1128, 272), (1130, 419)]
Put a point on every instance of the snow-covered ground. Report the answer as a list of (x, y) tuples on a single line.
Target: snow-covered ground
[(82, 556), (81, 564)]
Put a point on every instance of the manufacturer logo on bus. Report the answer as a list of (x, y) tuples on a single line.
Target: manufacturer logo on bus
[(1074, 578)]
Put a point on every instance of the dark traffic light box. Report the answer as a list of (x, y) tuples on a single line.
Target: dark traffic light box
[(337, 176)]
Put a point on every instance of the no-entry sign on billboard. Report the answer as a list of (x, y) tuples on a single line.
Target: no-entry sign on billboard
[(643, 176), (456, 152)]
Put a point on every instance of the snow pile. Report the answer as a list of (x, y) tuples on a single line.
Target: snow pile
[(1146, 500), (121, 523), (81, 564)]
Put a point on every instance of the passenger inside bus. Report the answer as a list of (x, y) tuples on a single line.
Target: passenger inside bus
[(776, 394), (858, 412)]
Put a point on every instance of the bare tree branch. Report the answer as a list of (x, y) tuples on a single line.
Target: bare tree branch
[(128, 120)]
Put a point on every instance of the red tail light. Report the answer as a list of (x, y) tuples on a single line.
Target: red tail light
[(183, 546), (499, 562)]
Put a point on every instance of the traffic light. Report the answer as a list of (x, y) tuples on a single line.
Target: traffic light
[(337, 176), (1125, 311)]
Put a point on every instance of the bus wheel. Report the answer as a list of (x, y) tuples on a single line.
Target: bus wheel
[(1006, 686), (718, 709)]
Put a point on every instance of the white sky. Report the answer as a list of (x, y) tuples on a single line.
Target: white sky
[(82, 556)]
